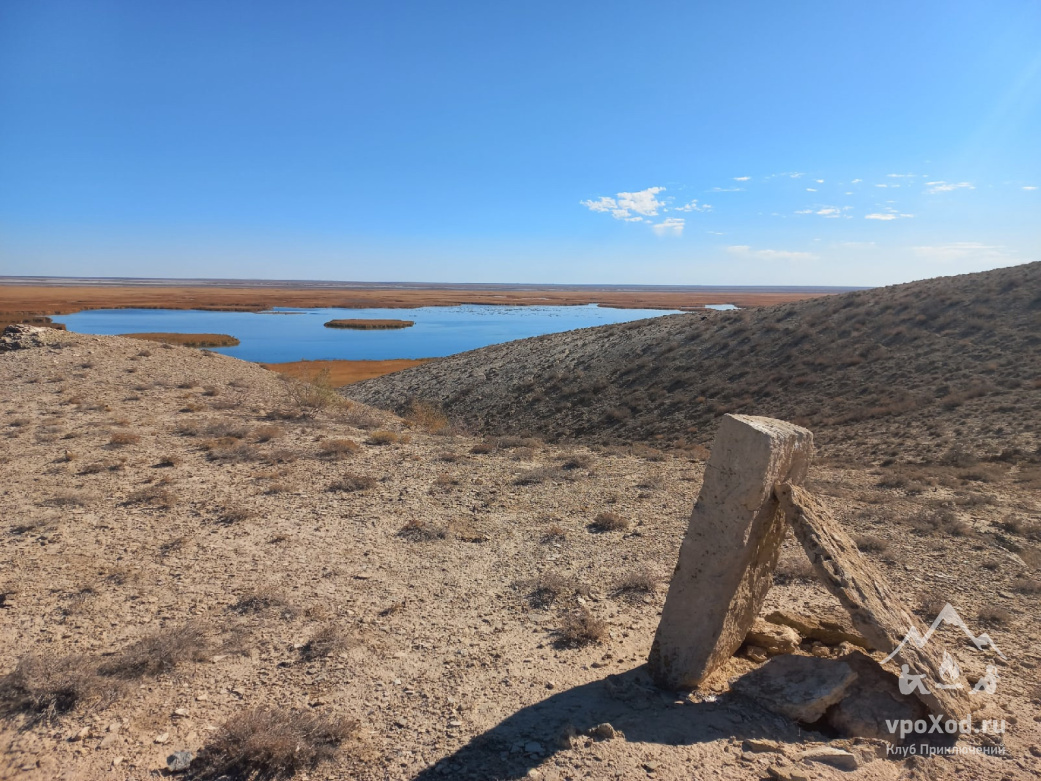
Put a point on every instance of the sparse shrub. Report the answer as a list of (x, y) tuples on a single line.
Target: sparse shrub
[(158, 653), (636, 584), (267, 433), (211, 390), (448, 457), (577, 461), (992, 615), (230, 450), (941, 520), (609, 522), (123, 438), (539, 475), (869, 543), (352, 482), (306, 399), (465, 530), (235, 513), (794, 569), (1027, 586), (153, 495), (43, 688), (580, 628), (482, 448), (418, 530), (327, 641), (169, 460), (428, 416), (337, 448), (66, 498), (262, 601), (554, 533), (266, 744), (384, 437), (548, 588)]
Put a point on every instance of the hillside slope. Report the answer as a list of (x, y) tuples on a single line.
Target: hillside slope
[(955, 357)]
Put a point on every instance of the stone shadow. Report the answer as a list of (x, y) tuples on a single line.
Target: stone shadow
[(628, 701)]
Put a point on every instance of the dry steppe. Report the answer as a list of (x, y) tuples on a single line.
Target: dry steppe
[(190, 541)]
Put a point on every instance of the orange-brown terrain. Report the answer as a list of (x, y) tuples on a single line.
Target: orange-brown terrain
[(23, 300), (340, 373), (370, 324)]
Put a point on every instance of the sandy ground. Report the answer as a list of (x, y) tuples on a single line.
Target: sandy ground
[(146, 487)]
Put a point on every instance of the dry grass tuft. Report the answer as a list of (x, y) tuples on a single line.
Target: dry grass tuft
[(268, 432), (352, 482), (262, 601), (44, 688), (991, 615), (123, 438), (153, 496), (265, 744), (554, 533), (337, 448), (548, 588), (418, 530), (579, 629), (609, 522), (385, 437), (158, 653), (327, 641), (233, 513), (636, 584), (427, 416), (67, 498), (869, 543)]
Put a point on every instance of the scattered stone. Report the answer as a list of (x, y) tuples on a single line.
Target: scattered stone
[(773, 639), (163, 738), (533, 747), (182, 713), (729, 552), (179, 761), (836, 757), (874, 699), (877, 612), (799, 687), (761, 746), (602, 732), (825, 631)]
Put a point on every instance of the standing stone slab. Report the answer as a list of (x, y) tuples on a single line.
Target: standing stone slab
[(877, 612), (728, 555)]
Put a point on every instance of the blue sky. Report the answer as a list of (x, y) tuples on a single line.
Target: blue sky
[(654, 142)]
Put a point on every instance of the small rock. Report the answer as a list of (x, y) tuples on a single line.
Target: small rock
[(109, 740), (799, 687), (115, 727), (532, 747), (785, 774), (835, 757), (550, 685), (455, 723), (1036, 751), (179, 761), (163, 738), (760, 746), (181, 713), (602, 732), (772, 639)]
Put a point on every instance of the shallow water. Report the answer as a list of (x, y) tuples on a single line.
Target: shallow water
[(299, 334)]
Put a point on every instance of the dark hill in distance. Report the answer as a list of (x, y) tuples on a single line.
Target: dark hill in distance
[(946, 363)]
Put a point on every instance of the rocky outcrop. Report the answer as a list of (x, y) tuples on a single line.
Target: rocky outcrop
[(21, 337), (728, 555), (799, 687)]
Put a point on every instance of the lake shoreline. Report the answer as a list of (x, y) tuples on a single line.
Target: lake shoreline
[(343, 372), (28, 297)]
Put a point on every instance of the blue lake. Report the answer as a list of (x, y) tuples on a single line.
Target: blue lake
[(298, 334)]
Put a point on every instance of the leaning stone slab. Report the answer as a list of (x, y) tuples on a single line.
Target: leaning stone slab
[(799, 687), (877, 613), (728, 555)]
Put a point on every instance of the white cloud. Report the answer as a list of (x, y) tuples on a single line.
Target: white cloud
[(811, 189), (693, 206), (670, 226), (819, 181), (623, 205), (805, 211), (959, 250), (830, 211), (890, 215), (856, 181), (1029, 187), (742, 178), (946, 187), (901, 176), (728, 189), (744, 251)]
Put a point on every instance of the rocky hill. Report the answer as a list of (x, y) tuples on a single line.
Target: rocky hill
[(952, 360)]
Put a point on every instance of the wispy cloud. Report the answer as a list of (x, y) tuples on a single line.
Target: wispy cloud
[(1029, 187), (804, 211), (693, 206), (728, 189), (856, 181), (670, 226), (623, 205), (811, 189), (886, 216), (745, 251), (959, 250), (742, 178), (946, 187), (830, 211), (901, 176)]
